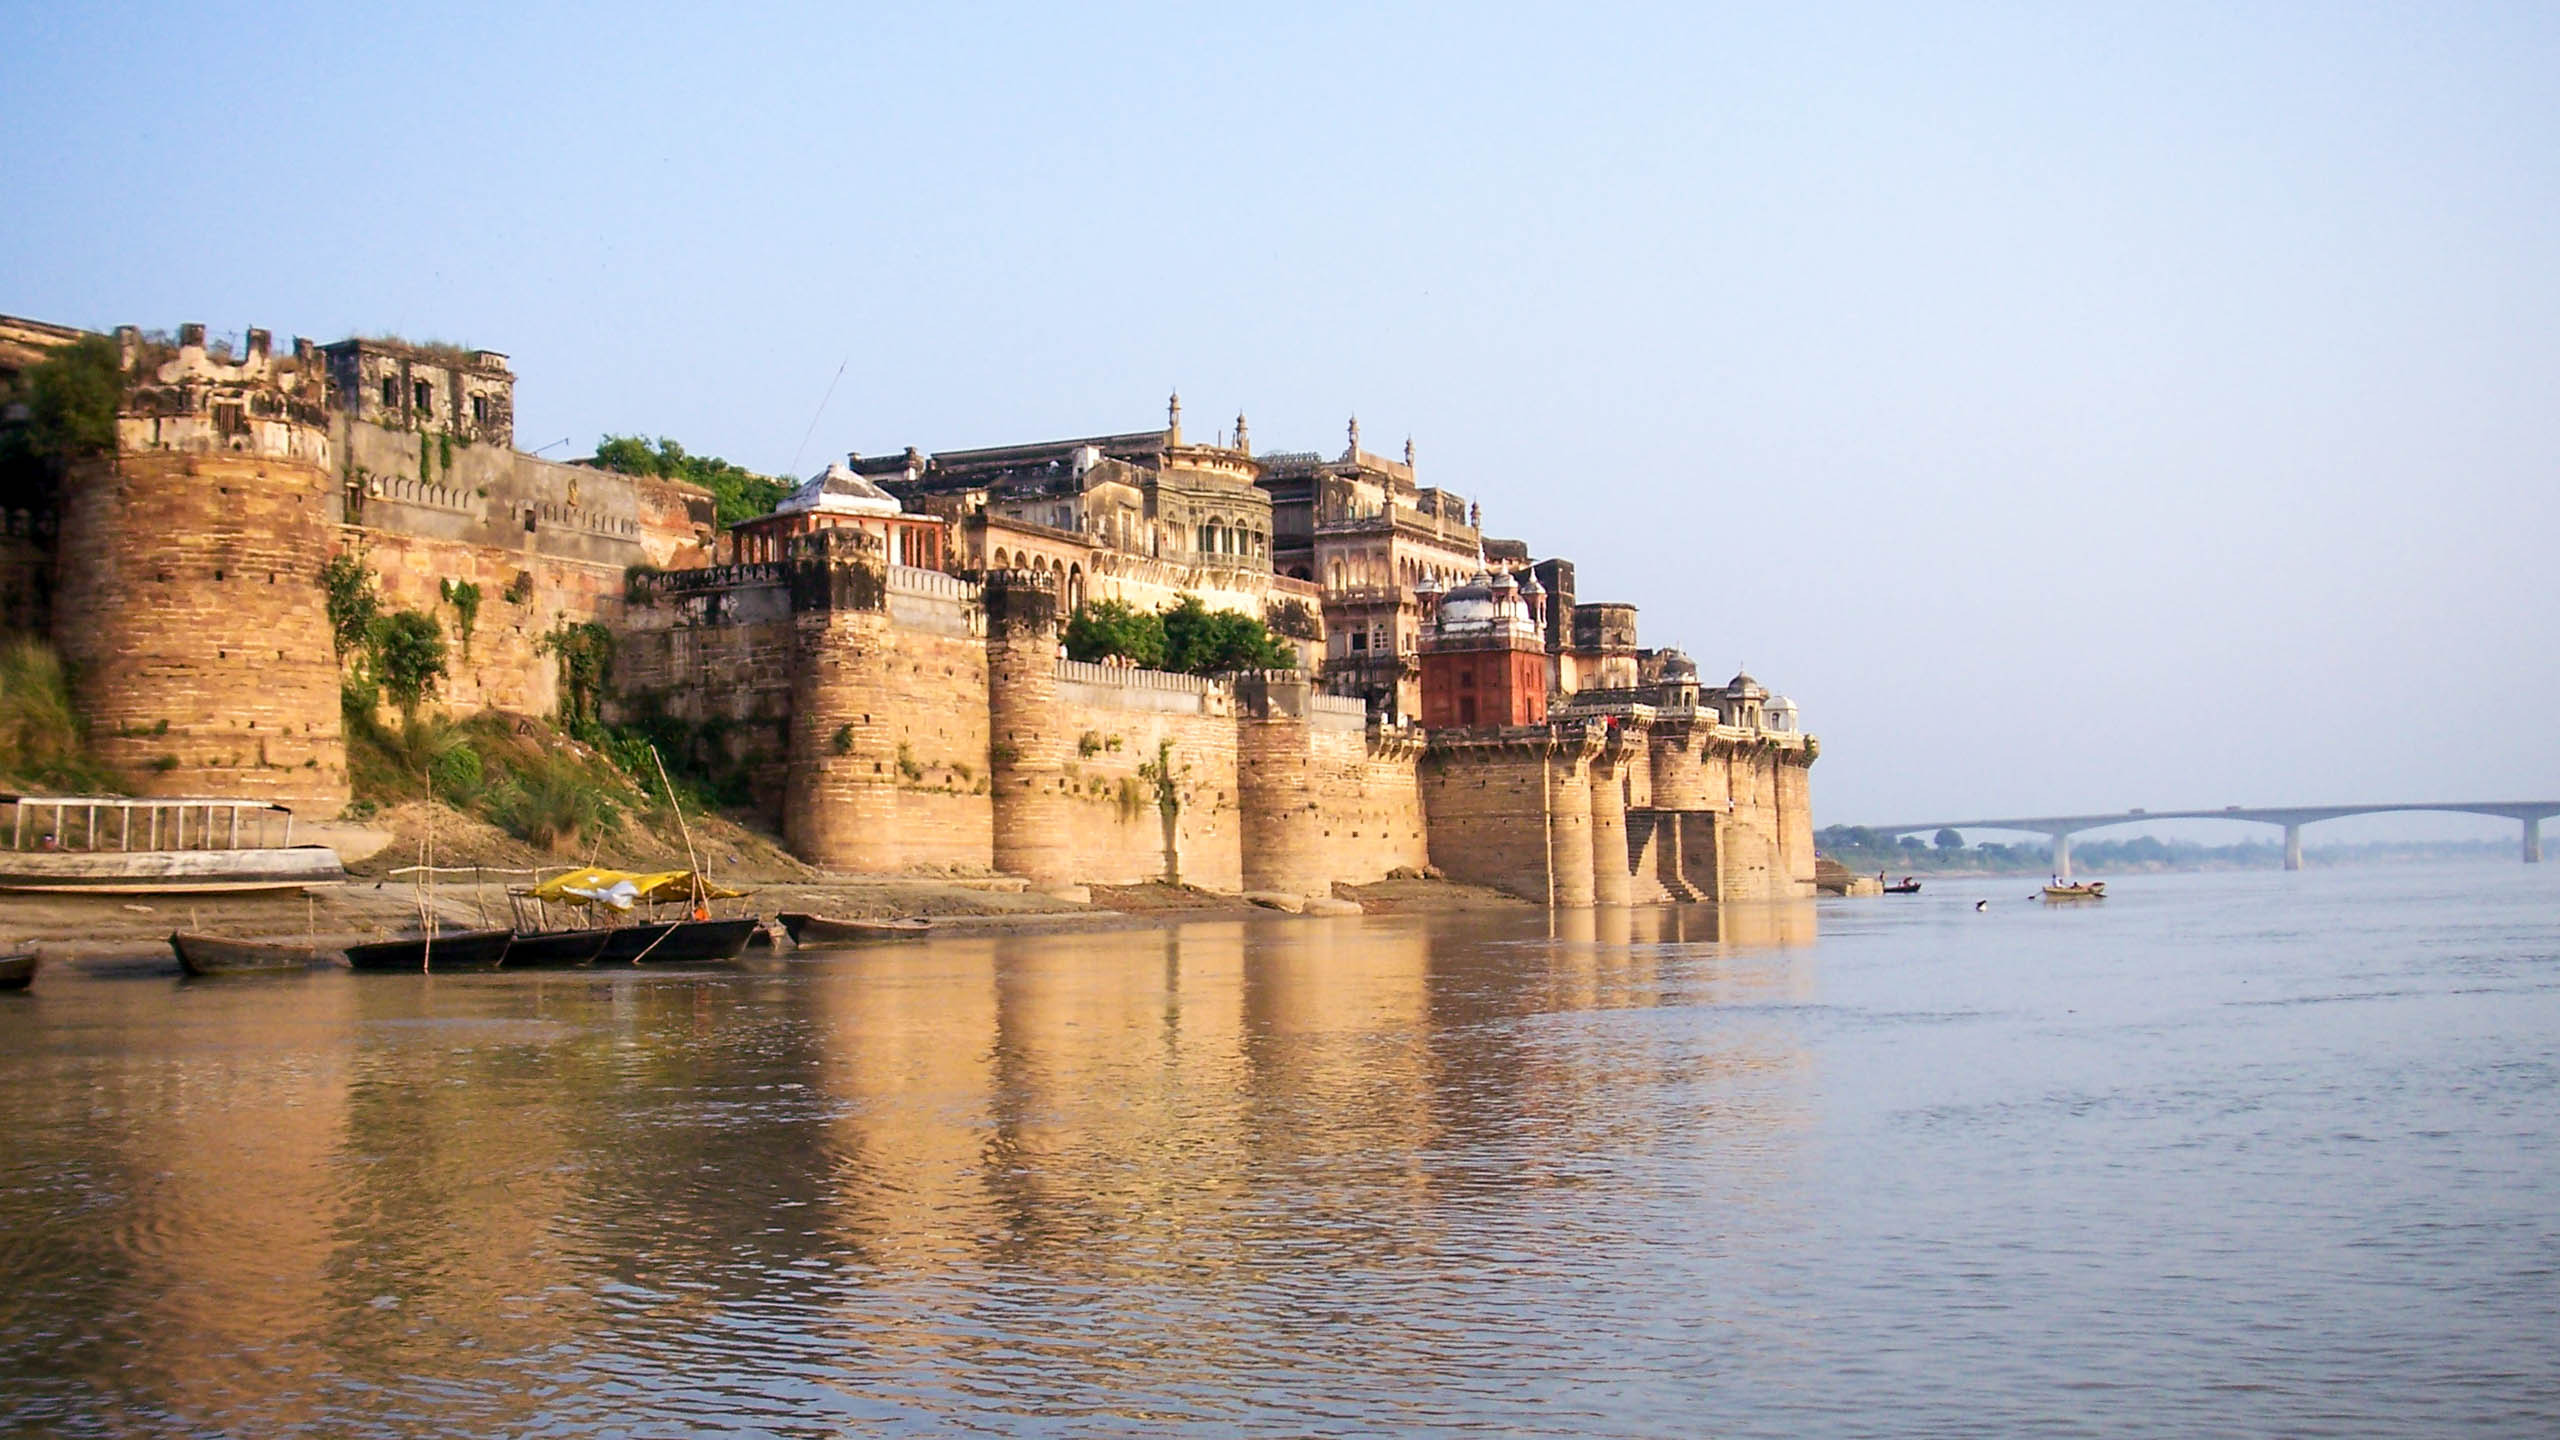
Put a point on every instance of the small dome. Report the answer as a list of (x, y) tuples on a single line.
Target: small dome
[(1678, 666), (1503, 584), (837, 490), (1428, 585)]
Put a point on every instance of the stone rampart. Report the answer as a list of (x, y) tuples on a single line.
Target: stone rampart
[(1151, 771)]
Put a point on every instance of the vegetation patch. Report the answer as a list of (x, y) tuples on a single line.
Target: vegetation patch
[(737, 493), (1187, 637)]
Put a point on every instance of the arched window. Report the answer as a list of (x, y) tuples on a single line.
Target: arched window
[(1337, 575), (1075, 587), (998, 562)]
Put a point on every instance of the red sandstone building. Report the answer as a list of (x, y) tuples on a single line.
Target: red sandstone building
[(1484, 653)]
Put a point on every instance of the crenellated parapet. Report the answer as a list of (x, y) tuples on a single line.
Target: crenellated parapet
[(192, 398)]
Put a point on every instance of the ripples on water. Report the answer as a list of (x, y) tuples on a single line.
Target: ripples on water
[(2232, 1154)]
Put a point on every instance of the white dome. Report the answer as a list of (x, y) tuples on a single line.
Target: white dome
[(838, 491)]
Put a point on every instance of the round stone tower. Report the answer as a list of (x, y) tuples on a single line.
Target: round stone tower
[(189, 600), (839, 801), (1026, 749), (1279, 828)]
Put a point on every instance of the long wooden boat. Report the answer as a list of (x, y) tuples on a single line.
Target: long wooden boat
[(535, 949), (169, 872), (221, 955), (827, 930), (17, 972), (1907, 887), (2078, 890), (459, 950), (672, 942)]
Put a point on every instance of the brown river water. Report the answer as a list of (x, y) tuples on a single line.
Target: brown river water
[(2227, 1154)]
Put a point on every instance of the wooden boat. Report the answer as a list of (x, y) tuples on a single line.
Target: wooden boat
[(827, 930), (2077, 890), (124, 845), (673, 942), (169, 872), (534, 949), (1908, 886), (17, 972), (457, 950), (221, 955)]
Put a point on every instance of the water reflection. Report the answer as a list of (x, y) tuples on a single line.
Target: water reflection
[(1078, 1174)]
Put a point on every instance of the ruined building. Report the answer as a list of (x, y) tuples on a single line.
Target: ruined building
[(881, 656)]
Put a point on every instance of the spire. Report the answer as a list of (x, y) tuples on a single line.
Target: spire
[(1242, 443), (1408, 452), (1353, 454), (1173, 418)]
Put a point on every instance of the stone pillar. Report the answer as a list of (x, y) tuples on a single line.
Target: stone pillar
[(840, 798), (2293, 847), (1026, 749), (1612, 883), (1569, 860)]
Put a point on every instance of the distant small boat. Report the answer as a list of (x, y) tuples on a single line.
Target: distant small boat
[(679, 942), (2077, 890), (221, 955), (534, 949), (460, 950), (1908, 886), (17, 972), (826, 930)]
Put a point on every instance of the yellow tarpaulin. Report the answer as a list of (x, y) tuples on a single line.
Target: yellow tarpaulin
[(622, 889)]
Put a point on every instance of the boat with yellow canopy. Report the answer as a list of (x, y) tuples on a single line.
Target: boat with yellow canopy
[(696, 936)]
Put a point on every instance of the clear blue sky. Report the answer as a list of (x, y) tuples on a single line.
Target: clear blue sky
[(2071, 408)]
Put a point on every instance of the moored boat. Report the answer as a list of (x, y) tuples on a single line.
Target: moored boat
[(458, 950), (126, 845), (828, 930), (222, 955), (2077, 890), (675, 942), (1908, 886), (17, 972), (537, 948)]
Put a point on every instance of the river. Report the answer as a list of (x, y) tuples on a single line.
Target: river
[(2248, 1153)]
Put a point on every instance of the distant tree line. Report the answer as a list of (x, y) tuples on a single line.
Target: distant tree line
[(1867, 851)]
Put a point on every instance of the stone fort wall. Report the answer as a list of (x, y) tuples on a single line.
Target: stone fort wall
[(911, 721), (1583, 811)]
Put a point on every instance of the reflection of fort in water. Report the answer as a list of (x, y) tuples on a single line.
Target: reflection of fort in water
[(429, 1176)]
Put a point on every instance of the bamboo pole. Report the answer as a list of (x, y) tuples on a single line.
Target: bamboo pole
[(695, 865)]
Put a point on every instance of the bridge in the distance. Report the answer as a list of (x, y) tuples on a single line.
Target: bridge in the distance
[(2290, 818)]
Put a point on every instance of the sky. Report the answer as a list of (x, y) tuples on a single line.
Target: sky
[(2072, 408)]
